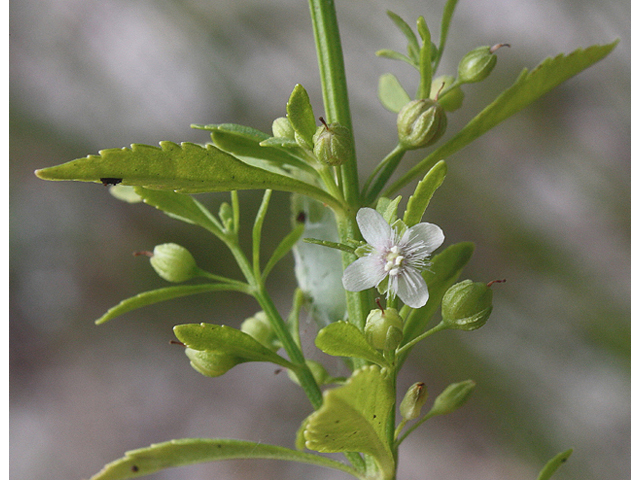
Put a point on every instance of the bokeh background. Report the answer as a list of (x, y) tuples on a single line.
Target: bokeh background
[(545, 197)]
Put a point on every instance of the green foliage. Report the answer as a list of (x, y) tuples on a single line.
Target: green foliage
[(185, 168), (187, 451), (162, 295), (419, 201), (229, 341), (529, 86), (391, 94), (300, 114), (346, 340), (553, 464), (319, 167), (355, 418)]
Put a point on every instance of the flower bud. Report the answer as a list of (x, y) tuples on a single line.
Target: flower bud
[(211, 364), (332, 144), (476, 65), (174, 263), (281, 128), (421, 123), (261, 330), (383, 329), (413, 401), (452, 398), (467, 305), (451, 99)]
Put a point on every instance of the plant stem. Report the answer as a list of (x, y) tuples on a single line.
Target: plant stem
[(334, 84), (336, 105), (306, 379)]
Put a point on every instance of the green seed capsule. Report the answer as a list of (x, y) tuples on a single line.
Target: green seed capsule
[(467, 305), (476, 65), (421, 123), (383, 329), (332, 144), (174, 263)]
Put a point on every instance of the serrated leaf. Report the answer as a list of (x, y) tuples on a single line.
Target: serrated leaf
[(419, 201), (226, 340), (342, 339), (529, 86), (553, 464), (444, 270), (186, 168), (300, 114), (355, 417), (181, 207), (160, 295), (189, 451), (391, 94)]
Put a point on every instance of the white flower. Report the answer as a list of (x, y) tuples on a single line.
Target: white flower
[(399, 259)]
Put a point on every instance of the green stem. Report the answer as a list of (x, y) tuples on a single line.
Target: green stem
[(334, 84), (409, 345), (304, 375)]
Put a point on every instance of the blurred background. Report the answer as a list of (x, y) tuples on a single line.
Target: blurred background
[(545, 197)]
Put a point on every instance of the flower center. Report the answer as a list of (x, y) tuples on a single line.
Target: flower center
[(394, 261)]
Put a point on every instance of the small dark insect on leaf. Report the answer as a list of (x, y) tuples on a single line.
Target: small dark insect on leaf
[(134, 468), (110, 181), (301, 217)]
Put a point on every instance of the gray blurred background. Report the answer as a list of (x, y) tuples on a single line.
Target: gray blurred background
[(545, 197)]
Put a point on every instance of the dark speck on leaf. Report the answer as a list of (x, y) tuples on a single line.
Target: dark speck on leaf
[(134, 468), (110, 181), (301, 217)]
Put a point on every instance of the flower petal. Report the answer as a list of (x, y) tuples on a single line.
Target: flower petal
[(412, 289), (373, 227), (364, 273), (423, 238)]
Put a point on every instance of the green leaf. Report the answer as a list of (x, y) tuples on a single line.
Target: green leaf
[(342, 339), (246, 144), (226, 340), (444, 270), (393, 55), (391, 94), (181, 207), (162, 294), (186, 168), (300, 114), (355, 417), (529, 86), (447, 15), (424, 88), (412, 41), (188, 451), (553, 464), (419, 201)]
